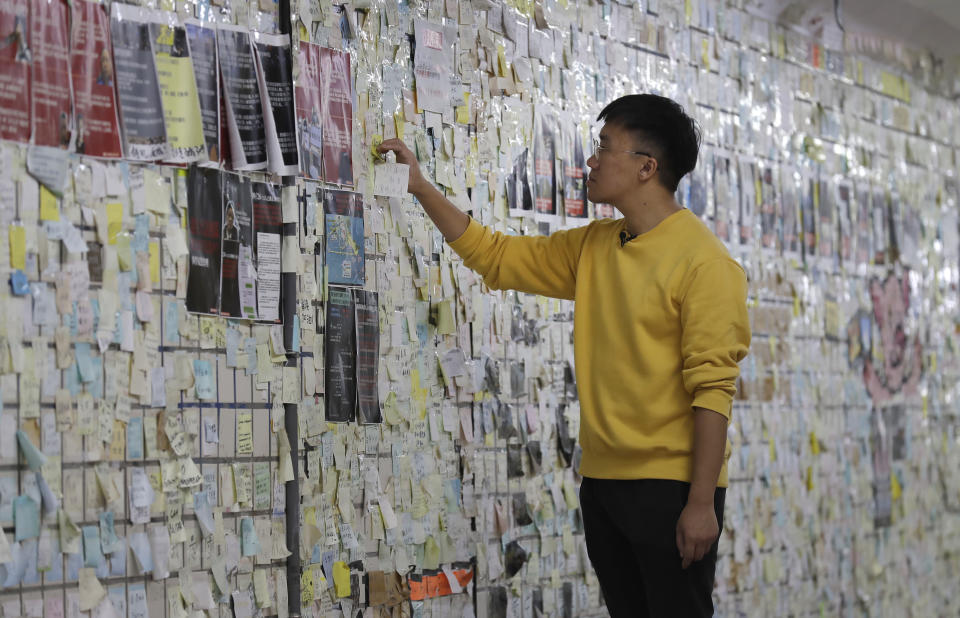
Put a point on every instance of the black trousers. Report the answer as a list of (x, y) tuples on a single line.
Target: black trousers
[(631, 534)]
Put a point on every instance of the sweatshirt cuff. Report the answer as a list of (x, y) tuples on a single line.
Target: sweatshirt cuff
[(474, 230), (714, 399)]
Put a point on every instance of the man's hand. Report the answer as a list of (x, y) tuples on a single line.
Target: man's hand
[(417, 183), (697, 529)]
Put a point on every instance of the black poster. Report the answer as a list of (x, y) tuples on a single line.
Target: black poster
[(367, 319), (273, 54), (203, 51), (248, 146), (340, 347), (237, 292), (141, 109), (203, 233)]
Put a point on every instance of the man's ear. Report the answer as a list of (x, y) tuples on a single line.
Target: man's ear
[(648, 169)]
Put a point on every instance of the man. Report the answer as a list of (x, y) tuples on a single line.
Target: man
[(660, 325)]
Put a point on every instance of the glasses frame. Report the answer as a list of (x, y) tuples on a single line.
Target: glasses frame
[(597, 149)]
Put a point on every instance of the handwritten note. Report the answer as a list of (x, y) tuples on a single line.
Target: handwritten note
[(391, 179)]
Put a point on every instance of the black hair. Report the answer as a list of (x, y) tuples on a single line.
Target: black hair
[(671, 136)]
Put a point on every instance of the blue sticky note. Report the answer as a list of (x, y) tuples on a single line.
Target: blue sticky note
[(201, 506), (92, 555), (171, 322), (250, 349), (30, 575), (85, 366), (35, 458), (19, 283), (135, 437), (109, 541), (233, 346), (71, 380), (95, 388), (250, 541), (141, 233), (140, 544), (26, 518), (203, 374), (296, 333)]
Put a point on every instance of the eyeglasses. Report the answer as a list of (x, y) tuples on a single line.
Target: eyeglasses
[(597, 149)]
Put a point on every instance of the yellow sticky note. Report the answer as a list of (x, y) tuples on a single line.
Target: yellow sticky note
[(341, 579), (114, 221), (154, 247), (260, 588), (463, 111), (895, 490), (306, 587), (18, 247), (49, 209)]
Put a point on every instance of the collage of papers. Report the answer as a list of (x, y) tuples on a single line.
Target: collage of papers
[(242, 375)]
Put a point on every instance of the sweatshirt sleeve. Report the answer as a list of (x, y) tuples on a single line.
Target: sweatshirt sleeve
[(715, 333), (544, 265)]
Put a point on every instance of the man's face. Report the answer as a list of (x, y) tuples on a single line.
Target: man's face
[(613, 167)]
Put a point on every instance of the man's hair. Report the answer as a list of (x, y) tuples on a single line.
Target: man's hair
[(663, 128)]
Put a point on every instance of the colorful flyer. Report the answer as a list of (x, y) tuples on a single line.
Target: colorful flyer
[(343, 219), (178, 89), (202, 41), (309, 127), (544, 161), (50, 76), (141, 108), (15, 58), (238, 70), (275, 76), (336, 100), (96, 125)]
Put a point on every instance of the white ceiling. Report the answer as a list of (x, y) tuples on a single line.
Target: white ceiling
[(919, 24)]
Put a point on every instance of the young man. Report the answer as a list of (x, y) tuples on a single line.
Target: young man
[(660, 325)]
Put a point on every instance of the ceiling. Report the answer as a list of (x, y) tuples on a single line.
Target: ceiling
[(933, 25)]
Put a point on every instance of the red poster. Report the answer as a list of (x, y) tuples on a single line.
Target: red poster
[(309, 128), (96, 112), (50, 84), (15, 55), (336, 100)]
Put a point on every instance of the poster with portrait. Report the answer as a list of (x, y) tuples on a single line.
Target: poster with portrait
[(138, 93), (544, 162), (15, 57), (202, 41), (340, 360), (267, 238), (519, 195), (344, 251), (178, 89), (96, 125), (575, 173), (336, 116), (241, 97), (204, 224), (367, 321), (309, 126), (275, 76), (52, 105), (237, 284)]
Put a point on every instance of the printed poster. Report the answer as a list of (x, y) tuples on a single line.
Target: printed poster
[(275, 75), (178, 90), (367, 320), (574, 176), (238, 70), (141, 109), (15, 58), (268, 232), (97, 127), (519, 196), (336, 99), (309, 127), (204, 225), (343, 219), (340, 349), (202, 42), (237, 284), (50, 77), (544, 156), (433, 64)]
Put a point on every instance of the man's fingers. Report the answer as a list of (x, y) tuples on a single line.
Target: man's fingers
[(689, 553)]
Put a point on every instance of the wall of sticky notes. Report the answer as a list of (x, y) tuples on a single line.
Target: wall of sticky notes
[(241, 374)]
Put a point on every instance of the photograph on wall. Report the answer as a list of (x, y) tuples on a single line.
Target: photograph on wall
[(15, 61), (544, 161), (202, 41), (343, 224), (575, 173), (138, 92), (96, 125), (340, 348), (309, 125), (519, 196), (275, 76), (367, 320), (178, 90), (336, 116), (241, 96), (267, 233), (237, 284), (204, 224), (52, 109)]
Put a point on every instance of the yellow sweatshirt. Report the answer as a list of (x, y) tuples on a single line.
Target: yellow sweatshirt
[(660, 325)]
